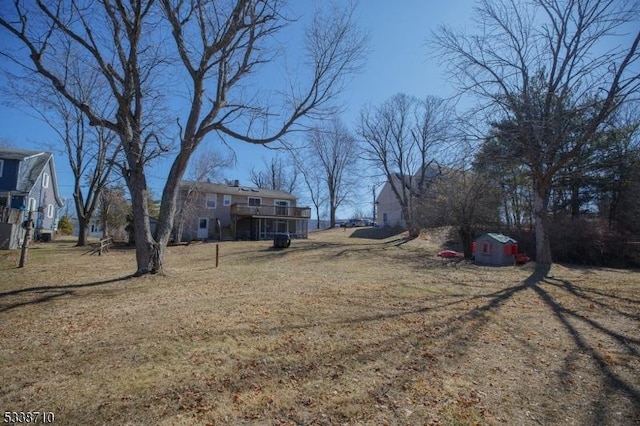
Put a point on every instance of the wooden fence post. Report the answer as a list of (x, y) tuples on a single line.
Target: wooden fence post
[(25, 242)]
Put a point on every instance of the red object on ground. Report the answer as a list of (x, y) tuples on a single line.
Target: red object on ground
[(522, 258), (449, 254)]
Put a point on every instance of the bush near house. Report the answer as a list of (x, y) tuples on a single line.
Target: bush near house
[(64, 226)]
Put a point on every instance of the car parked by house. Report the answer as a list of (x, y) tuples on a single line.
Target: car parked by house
[(355, 223)]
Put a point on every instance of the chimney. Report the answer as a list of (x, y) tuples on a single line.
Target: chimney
[(236, 183)]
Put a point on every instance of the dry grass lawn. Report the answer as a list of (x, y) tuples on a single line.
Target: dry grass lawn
[(333, 330)]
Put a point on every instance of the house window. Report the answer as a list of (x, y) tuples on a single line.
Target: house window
[(45, 180), (211, 201), (50, 211), (226, 200), (1, 167), (31, 205), (281, 207), (254, 201)]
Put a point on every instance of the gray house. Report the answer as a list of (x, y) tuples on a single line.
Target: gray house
[(28, 183), (495, 249), (233, 211)]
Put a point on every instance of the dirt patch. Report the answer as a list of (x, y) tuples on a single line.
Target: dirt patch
[(333, 330)]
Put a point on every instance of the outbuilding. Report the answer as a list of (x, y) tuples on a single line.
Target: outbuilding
[(495, 249)]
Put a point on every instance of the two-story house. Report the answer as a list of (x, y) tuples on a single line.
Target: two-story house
[(388, 206), (214, 210), (28, 182)]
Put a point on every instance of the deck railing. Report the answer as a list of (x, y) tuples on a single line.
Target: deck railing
[(240, 209)]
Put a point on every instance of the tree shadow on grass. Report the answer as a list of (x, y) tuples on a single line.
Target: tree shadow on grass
[(376, 233), (456, 332), (614, 385), (42, 294)]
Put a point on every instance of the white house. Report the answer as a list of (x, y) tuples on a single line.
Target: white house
[(388, 209)]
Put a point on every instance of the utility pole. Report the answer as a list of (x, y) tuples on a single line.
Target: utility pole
[(27, 238), (373, 190)]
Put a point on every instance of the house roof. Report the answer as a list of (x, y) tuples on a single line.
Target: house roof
[(247, 191), (501, 238), (410, 182), (32, 164), (30, 170), (16, 154)]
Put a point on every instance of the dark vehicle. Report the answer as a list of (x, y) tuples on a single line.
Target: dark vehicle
[(281, 240), (355, 223)]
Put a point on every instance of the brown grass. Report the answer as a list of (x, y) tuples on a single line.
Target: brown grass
[(334, 330)]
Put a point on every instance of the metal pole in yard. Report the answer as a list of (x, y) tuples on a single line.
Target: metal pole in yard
[(217, 253)]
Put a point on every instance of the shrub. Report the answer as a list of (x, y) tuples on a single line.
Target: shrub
[(64, 226)]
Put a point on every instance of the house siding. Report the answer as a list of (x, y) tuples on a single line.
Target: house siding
[(388, 211), (44, 197)]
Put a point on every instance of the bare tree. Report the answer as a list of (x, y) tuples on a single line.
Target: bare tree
[(333, 151), (113, 210), (218, 46), (538, 64), (401, 138), (275, 174), (91, 152), (312, 177), (467, 200)]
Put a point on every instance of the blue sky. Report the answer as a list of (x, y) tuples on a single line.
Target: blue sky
[(399, 61)]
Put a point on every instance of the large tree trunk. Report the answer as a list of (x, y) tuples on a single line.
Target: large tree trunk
[(332, 216), (543, 243), (466, 236), (332, 208), (83, 220), (83, 231), (409, 221), (168, 208), (144, 241), (318, 216)]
